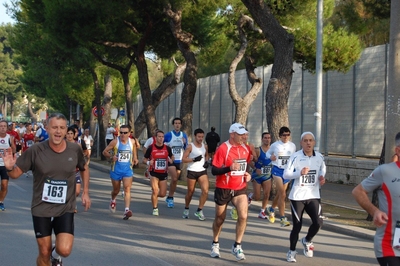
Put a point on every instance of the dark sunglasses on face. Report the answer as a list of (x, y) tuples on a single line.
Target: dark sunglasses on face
[(124, 132), (286, 135)]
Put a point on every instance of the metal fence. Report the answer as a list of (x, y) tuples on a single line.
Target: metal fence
[(353, 116)]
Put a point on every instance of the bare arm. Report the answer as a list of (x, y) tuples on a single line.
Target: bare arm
[(185, 157), (85, 194), (107, 150)]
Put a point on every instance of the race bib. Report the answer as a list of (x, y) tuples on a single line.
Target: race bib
[(55, 191), (396, 237), (176, 151), (266, 170), (242, 167), (283, 160), (124, 156), (309, 179), (160, 164)]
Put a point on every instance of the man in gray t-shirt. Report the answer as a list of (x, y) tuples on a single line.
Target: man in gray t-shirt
[(385, 178)]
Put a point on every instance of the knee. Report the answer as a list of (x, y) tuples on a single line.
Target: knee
[(4, 187), (162, 194), (204, 192), (156, 191), (64, 252), (219, 220)]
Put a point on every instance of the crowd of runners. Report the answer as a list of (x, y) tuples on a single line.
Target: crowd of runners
[(59, 164)]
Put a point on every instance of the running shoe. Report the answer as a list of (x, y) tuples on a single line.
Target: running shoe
[(238, 252), (113, 205), (56, 262), (249, 198), (146, 174), (291, 256), (170, 202), (155, 212), (200, 215), (185, 214), (308, 248), (215, 250), (284, 222), (127, 214), (262, 215), (271, 214), (2, 206), (234, 214)]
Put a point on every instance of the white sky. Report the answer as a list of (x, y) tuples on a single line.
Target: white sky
[(4, 18)]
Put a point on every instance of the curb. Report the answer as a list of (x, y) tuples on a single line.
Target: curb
[(328, 225)]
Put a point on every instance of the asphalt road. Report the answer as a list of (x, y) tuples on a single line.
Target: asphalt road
[(103, 238)]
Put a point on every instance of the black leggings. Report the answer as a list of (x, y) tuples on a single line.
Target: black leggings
[(389, 261), (313, 209)]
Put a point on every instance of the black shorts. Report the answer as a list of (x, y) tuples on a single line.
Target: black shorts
[(43, 226), (177, 165), (389, 261), (223, 196), (195, 175), (3, 173), (18, 147), (160, 176)]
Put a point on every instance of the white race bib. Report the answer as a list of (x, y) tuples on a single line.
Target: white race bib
[(309, 180), (124, 156), (266, 170), (242, 168), (396, 237), (160, 164), (55, 191), (29, 143), (282, 160)]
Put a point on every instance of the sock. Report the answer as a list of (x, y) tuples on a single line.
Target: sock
[(236, 244), (186, 208), (170, 197), (155, 208), (215, 242), (54, 254), (113, 200), (198, 209), (126, 209)]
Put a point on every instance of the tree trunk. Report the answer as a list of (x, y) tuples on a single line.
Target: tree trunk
[(166, 87), (243, 104), (277, 94), (31, 113)]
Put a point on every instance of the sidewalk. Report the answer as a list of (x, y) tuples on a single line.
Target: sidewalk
[(332, 194)]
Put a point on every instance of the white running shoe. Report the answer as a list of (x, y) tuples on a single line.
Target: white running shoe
[(249, 198), (113, 205), (215, 250), (185, 214), (308, 248), (200, 215), (238, 252), (155, 212), (262, 215), (291, 256)]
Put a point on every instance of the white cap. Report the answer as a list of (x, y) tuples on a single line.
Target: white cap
[(39, 124), (307, 133), (238, 128)]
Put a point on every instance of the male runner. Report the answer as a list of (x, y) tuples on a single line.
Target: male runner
[(230, 165), (177, 141), (196, 154), (157, 157), (279, 153), (308, 169), (122, 161), (53, 163)]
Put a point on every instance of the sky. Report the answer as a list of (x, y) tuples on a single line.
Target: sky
[(4, 18)]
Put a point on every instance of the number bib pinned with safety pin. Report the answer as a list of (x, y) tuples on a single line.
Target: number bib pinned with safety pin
[(124, 156), (55, 191), (242, 168), (308, 180)]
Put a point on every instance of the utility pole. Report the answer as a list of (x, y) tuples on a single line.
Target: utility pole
[(318, 68), (392, 122)]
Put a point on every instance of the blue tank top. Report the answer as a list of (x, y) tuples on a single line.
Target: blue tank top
[(265, 163), (43, 134), (124, 155)]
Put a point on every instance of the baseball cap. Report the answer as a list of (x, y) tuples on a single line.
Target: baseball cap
[(238, 128), (10, 123)]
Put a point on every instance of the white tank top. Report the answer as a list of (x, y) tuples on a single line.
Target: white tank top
[(197, 166), (4, 144)]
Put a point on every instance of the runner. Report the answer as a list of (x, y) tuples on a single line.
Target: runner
[(88, 139), (385, 178), (157, 158), (261, 176), (53, 163), (123, 159), (196, 154), (41, 133), (308, 169), (279, 153), (212, 140), (28, 137), (177, 141), (6, 141), (230, 165)]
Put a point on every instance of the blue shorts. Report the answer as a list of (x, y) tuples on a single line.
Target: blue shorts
[(276, 171), (260, 178), (127, 173)]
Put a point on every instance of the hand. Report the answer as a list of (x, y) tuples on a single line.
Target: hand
[(135, 161), (305, 170), (258, 171), (380, 218), (247, 176), (198, 158), (8, 158), (86, 201), (234, 166), (206, 164), (321, 180), (273, 157)]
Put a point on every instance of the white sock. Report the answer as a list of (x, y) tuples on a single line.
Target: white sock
[(54, 254), (126, 209)]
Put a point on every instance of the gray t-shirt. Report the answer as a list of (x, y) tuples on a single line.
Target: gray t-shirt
[(53, 177), (386, 177)]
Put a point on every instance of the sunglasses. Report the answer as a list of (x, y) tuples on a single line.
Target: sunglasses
[(124, 132), (285, 135)]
